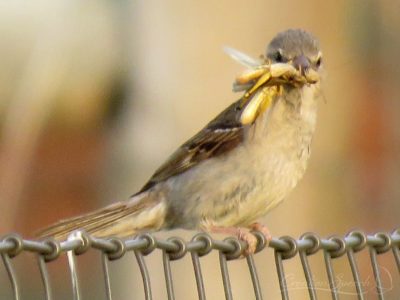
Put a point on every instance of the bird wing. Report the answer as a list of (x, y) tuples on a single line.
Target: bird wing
[(222, 134), (219, 136)]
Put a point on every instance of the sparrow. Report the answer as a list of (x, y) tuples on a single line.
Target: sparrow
[(240, 165)]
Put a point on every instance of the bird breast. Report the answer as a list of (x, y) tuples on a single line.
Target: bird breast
[(243, 185)]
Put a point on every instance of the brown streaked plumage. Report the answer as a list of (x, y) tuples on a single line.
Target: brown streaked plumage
[(221, 135)]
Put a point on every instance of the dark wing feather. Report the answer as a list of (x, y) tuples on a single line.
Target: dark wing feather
[(221, 135)]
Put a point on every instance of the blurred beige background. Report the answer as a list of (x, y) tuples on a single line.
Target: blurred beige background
[(94, 95)]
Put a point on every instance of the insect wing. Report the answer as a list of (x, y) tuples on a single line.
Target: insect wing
[(242, 58)]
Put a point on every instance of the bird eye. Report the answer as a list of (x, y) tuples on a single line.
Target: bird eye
[(318, 62), (278, 56)]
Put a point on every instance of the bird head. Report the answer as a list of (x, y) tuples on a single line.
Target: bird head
[(297, 47)]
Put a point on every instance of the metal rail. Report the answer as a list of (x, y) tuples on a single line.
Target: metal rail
[(202, 244)]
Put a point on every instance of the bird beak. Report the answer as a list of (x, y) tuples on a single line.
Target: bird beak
[(301, 63)]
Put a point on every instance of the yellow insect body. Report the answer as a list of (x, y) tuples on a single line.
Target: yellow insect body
[(249, 75), (258, 104)]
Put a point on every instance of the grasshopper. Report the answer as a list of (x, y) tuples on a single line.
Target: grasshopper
[(262, 81)]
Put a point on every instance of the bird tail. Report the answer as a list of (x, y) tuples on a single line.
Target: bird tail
[(121, 219)]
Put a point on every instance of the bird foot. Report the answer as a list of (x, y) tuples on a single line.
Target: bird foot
[(242, 234), (250, 239), (263, 229)]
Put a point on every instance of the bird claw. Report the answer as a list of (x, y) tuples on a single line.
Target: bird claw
[(263, 229), (250, 239)]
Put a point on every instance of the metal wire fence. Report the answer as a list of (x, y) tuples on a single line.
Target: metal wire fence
[(202, 244)]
